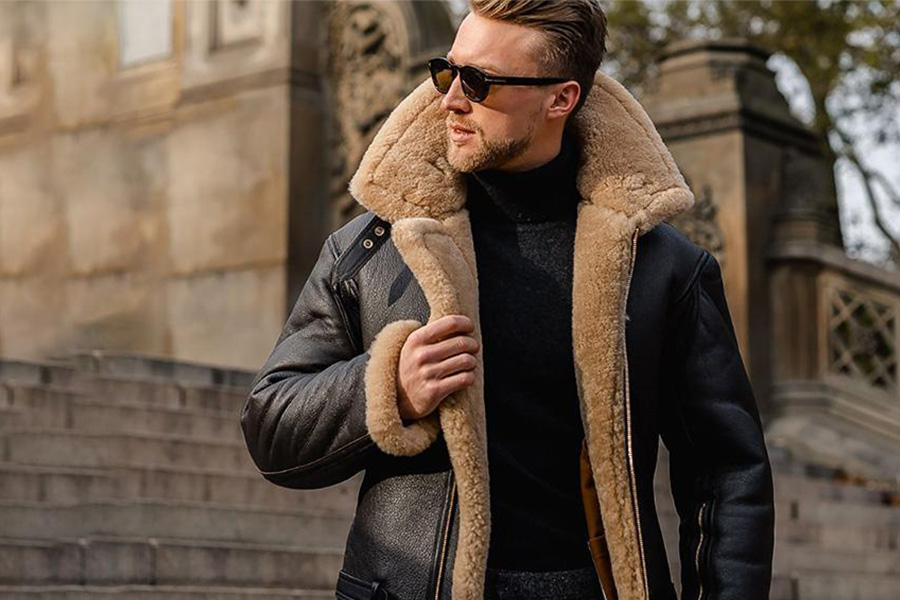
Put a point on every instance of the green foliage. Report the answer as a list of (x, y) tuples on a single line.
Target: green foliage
[(848, 52)]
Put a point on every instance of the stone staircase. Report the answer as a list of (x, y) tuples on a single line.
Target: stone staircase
[(835, 538), (128, 476)]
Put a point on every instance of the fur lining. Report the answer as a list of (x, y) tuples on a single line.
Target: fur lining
[(629, 183), (601, 267), (382, 414), (404, 171), (442, 257)]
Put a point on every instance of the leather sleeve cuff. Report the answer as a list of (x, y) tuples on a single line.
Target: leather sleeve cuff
[(382, 413)]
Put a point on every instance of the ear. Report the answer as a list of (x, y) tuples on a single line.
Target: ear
[(564, 100)]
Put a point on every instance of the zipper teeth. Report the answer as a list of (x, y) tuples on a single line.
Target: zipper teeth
[(699, 545), (437, 585), (634, 499), (338, 299)]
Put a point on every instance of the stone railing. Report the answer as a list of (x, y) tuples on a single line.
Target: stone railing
[(836, 332)]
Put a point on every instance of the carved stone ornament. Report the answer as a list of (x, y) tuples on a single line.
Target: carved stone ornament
[(700, 223), (367, 73)]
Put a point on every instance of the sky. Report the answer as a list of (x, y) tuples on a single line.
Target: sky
[(856, 215)]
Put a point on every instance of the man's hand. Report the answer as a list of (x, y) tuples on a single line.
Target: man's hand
[(436, 360)]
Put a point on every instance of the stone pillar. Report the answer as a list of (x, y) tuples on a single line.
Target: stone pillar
[(307, 219), (758, 174)]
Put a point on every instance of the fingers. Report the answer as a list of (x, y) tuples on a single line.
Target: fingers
[(458, 344), (444, 327), (454, 364), (447, 385), (436, 360)]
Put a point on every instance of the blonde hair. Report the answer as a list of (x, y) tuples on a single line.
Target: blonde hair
[(574, 30)]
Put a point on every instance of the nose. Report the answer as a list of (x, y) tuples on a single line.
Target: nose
[(455, 99)]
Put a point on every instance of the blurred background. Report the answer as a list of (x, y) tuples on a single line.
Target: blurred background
[(170, 168)]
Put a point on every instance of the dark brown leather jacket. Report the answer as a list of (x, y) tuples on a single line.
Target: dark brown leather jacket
[(656, 358)]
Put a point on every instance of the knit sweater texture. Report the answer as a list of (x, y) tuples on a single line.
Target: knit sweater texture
[(523, 226)]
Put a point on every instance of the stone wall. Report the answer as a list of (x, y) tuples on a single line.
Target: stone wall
[(169, 170)]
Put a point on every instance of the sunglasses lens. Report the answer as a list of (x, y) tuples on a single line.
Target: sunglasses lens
[(441, 74), (474, 85)]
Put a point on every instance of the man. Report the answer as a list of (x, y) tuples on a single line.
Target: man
[(513, 297)]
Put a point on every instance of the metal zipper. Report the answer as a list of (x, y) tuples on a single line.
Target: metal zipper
[(345, 319), (699, 546), (437, 584), (634, 497)]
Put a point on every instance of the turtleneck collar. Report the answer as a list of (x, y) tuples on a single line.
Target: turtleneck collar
[(545, 193)]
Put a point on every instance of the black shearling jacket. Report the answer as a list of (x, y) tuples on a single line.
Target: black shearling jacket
[(656, 358)]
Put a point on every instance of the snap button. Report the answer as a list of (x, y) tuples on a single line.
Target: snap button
[(378, 592), (367, 243), (379, 230)]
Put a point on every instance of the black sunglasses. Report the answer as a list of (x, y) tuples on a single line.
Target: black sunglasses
[(476, 83)]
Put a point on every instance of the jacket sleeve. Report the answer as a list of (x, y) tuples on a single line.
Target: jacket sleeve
[(719, 467), (306, 419)]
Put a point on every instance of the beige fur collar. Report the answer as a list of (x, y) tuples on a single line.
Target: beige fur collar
[(625, 165), (629, 183)]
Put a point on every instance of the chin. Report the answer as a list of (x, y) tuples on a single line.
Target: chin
[(464, 160)]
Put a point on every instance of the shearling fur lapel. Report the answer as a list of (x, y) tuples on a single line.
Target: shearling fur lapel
[(629, 183)]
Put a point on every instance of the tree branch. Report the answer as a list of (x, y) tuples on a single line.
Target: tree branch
[(848, 151)]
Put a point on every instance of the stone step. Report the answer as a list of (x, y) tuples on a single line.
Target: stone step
[(10, 417), (790, 557), (799, 497), (819, 584), (827, 536), (232, 488), (25, 395), (781, 588), (61, 447), (126, 364), (108, 561), (865, 528), (38, 483), (38, 372), (846, 513), (790, 487), (817, 510), (173, 520), (799, 487), (792, 478), (112, 389), (54, 407), (813, 538), (158, 592), (71, 484)]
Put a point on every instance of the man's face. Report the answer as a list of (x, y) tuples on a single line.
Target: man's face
[(505, 125)]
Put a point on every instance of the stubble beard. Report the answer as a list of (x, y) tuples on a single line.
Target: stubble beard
[(487, 154)]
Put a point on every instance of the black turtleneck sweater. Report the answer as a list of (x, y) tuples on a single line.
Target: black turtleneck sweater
[(523, 225)]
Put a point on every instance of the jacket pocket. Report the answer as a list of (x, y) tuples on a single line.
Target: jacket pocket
[(351, 587)]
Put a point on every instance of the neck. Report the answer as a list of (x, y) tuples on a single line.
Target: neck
[(538, 155), (546, 192)]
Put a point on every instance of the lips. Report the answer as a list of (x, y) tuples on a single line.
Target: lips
[(460, 129), (460, 137)]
